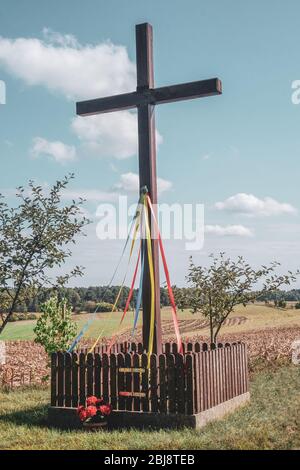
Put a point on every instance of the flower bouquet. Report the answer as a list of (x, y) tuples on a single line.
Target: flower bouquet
[(94, 414)]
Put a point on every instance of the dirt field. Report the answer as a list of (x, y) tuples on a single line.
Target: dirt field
[(268, 333), (252, 317)]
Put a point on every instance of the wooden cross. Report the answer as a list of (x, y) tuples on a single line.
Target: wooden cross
[(144, 99)]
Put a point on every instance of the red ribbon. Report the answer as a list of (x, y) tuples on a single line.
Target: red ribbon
[(128, 298), (170, 291)]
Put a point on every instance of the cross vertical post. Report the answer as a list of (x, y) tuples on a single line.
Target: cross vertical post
[(144, 99), (147, 172)]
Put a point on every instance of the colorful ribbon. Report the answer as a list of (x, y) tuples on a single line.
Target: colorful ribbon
[(90, 321), (123, 282), (128, 299), (152, 282), (170, 291), (140, 291)]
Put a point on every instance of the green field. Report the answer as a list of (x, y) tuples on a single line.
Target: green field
[(270, 421), (257, 317)]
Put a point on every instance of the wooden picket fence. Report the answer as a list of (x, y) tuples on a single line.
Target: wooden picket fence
[(201, 378)]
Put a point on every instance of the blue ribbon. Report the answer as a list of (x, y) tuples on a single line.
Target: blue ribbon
[(140, 291)]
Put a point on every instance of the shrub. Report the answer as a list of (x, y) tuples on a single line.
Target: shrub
[(54, 329), (22, 316), (104, 307), (13, 317), (31, 316), (281, 303), (297, 305), (89, 306)]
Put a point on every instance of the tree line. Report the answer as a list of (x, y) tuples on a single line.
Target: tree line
[(83, 299), (86, 299)]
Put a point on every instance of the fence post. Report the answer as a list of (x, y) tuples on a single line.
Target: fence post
[(128, 381), (113, 381), (189, 384), (105, 371), (145, 383), (136, 380), (60, 378), (82, 371), (162, 384), (53, 379), (171, 383), (153, 383), (97, 374), (180, 383), (90, 374), (68, 371), (74, 380)]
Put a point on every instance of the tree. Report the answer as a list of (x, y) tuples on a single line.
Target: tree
[(217, 289), (55, 329), (34, 239), (281, 303)]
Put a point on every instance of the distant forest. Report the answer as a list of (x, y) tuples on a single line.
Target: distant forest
[(85, 299)]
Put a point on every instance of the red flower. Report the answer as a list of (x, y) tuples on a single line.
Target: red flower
[(83, 414), (105, 410), (80, 408), (99, 402), (92, 400), (91, 411)]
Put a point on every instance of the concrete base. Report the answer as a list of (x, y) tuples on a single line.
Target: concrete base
[(63, 417)]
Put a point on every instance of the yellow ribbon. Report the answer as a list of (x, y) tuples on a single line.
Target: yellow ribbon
[(152, 283)]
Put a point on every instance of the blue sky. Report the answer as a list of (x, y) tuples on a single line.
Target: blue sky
[(243, 145)]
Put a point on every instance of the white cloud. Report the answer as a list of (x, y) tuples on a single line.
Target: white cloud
[(228, 230), (61, 64), (64, 40), (129, 182), (90, 195), (109, 134), (248, 204), (57, 150)]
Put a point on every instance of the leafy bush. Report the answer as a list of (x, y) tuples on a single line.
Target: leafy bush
[(89, 306), (13, 317), (22, 316), (31, 316), (104, 307), (297, 305), (280, 303), (54, 329)]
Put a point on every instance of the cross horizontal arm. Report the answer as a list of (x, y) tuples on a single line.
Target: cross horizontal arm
[(167, 94), (107, 104), (187, 91)]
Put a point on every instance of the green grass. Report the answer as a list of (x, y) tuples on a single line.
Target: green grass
[(258, 317), (271, 421)]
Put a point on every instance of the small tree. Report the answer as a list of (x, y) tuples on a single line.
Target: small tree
[(217, 289), (55, 329), (281, 303), (34, 239)]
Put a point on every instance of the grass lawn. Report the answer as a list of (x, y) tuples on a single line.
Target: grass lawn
[(257, 317), (270, 421)]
